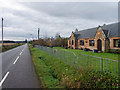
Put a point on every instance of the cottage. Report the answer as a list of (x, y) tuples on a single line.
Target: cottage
[(100, 38)]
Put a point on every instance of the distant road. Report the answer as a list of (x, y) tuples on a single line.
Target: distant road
[(17, 69)]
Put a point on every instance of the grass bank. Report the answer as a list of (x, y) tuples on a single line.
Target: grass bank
[(53, 73)]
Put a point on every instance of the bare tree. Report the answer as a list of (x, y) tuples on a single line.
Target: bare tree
[(57, 41)]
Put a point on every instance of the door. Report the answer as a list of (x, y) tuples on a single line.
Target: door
[(99, 45)]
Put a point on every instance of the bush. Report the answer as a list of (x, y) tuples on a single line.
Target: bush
[(113, 51)]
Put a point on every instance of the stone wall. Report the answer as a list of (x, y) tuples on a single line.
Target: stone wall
[(86, 44), (70, 42), (100, 35)]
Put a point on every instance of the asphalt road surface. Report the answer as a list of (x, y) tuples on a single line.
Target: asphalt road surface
[(17, 69)]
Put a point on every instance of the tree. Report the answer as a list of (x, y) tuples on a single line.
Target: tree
[(25, 40), (57, 41)]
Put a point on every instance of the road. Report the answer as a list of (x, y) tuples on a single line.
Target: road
[(17, 69)]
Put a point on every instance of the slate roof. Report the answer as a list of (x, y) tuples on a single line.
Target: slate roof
[(106, 32), (110, 30), (88, 33), (113, 29)]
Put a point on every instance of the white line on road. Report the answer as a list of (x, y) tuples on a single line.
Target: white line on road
[(16, 60), (20, 53), (4, 78), (22, 50)]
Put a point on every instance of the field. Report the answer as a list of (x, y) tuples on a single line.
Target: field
[(56, 73), (8, 46)]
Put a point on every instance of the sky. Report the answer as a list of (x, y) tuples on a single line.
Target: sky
[(22, 19)]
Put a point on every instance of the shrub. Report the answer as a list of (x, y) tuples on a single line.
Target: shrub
[(113, 51)]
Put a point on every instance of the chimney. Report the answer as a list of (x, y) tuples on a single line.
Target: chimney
[(76, 30), (104, 24)]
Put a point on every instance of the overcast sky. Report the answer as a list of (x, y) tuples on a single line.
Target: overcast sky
[(23, 18)]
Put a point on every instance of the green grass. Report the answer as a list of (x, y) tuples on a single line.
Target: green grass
[(54, 73), (103, 55), (49, 69), (87, 60), (43, 71)]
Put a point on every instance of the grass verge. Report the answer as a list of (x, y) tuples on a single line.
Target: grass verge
[(53, 73)]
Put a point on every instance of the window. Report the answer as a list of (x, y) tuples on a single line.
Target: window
[(91, 43), (72, 42), (81, 42), (116, 42)]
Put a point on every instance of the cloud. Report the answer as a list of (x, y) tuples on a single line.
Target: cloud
[(23, 19), (87, 10)]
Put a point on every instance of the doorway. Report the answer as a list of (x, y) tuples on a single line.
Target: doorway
[(99, 45)]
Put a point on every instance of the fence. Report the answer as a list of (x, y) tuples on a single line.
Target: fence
[(84, 61)]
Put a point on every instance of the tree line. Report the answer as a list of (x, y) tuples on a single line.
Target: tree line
[(57, 41)]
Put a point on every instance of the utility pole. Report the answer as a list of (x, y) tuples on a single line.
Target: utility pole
[(2, 31), (31, 37), (38, 33)]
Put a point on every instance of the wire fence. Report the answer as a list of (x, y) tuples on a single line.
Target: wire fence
[(84, 61)]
